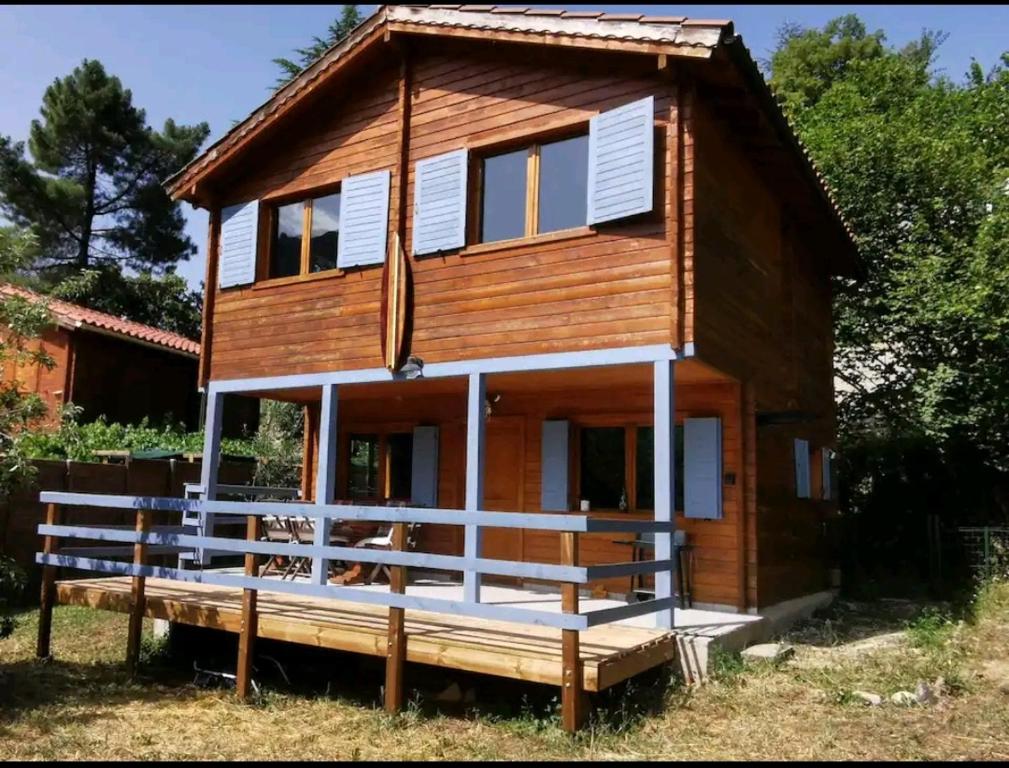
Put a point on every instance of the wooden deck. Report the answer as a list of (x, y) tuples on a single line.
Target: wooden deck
[(609, 653)]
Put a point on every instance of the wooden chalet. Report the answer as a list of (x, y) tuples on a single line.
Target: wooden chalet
[(548, 283), (109, 366)]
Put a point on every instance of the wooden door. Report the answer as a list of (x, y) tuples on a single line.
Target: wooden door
[(503, 487)]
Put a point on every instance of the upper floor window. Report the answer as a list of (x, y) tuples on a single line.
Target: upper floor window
[(304, 236), (531, 191)]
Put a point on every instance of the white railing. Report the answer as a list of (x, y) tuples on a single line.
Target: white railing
[(167, 539)]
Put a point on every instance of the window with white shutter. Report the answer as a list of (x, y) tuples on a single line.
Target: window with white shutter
[(554, 467), (621, 162), (364, 220), (237, 246), (702, 468), (802, 476), (439, 207)]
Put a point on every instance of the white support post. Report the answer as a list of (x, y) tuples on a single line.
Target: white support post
[(475, 420), (325, 483), (211, 460), (665, 483)]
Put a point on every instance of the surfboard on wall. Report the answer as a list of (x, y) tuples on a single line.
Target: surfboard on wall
[(395, 279)]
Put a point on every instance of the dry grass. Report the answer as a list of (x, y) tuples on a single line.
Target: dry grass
[(81, 706)]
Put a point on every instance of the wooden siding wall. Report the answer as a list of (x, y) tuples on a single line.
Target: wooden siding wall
[(763, 315), (719, 544), (49, 384), (316, 324), (126, 382), (613, 287)]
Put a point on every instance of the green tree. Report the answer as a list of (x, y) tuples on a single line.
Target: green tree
[(920, 165), (349, 18), (807, 62), (165, 301), (22, 322), (91, 191)]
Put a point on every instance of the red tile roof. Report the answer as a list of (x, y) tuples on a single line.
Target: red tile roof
[(75, 316)]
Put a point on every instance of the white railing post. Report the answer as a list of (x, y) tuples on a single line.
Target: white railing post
[(211, 461), (665, 483), (325, 483), (475, 438)]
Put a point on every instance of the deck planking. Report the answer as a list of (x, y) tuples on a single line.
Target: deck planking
[(609, 653)]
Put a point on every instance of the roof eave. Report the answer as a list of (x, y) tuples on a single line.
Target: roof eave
[(848, 263), (694, 39)]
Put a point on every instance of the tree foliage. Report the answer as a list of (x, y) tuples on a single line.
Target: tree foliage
[(165, 301), (22, 322), (91, 191), (342, 26), (920, 165)]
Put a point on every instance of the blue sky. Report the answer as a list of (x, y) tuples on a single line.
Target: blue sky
[(213, 63)]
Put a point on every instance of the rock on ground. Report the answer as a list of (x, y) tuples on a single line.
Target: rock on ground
[(773, 652), (872, 699), (903, 698)]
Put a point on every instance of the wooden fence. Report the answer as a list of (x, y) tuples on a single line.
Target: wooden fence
[(21, 515)]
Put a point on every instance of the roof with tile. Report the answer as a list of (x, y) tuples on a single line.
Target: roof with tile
[(74, 316), (677, 34)]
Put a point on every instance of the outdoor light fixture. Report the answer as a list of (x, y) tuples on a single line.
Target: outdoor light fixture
[(489, 402), (413, 368)]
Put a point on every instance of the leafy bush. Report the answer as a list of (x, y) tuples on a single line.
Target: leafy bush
[(81, 442), (277, 445), (931, 630), (12, 585)]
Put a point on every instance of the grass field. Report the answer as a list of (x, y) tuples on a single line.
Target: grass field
[(81, 705)]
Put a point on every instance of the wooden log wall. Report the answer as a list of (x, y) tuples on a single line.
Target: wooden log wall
[(514, 472), (589, 289), (773, 331)]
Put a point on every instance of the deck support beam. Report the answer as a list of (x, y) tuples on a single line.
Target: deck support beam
[(573, 703), (665, 482), (395, 658), (211, 458), (325, 484), (136, 626), (48, 597), (475, 450), (250, 619)]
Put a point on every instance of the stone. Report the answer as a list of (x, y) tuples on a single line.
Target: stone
[(772, 652), (1004, 687), (872, 699), (451, 695), (924, 693), (903, 699)]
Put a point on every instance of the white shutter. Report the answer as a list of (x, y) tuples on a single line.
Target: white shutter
[(364, 220), (424, 470), (826, 467), (802, 477), (621, 162), (702, 468), (237, 246), (554, 467), (439, 206)]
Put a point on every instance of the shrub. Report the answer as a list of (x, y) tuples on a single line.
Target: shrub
[(12, 585)]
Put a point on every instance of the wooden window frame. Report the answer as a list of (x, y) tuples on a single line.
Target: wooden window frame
[(383, 479), (631, 424), (268, 232), (533, 146)]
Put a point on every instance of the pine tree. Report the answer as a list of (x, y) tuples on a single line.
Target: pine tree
[(91, 191), (350, 17)]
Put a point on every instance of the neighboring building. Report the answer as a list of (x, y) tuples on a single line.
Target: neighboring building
[(568, 210), (111, 367)]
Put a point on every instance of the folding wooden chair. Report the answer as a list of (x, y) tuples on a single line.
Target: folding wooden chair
[(276, 530), (383, 540)]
